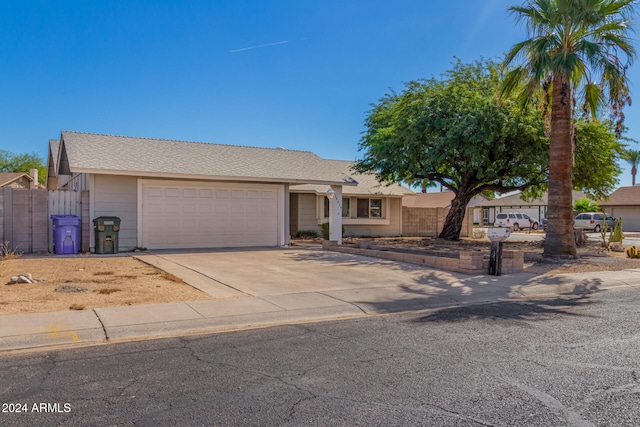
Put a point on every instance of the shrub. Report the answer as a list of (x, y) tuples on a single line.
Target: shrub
[(325, 230), (306, 234), (479, 233)]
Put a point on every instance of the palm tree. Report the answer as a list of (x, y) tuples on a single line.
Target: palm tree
[(575, 47), (633, 157)]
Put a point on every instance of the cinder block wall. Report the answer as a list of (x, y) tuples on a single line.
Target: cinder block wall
[(23, 215), (428, 222)]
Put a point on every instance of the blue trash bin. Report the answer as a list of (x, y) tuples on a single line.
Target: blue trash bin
[(66, 234)]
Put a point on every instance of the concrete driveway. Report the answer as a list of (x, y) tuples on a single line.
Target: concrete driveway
[(381, 285)]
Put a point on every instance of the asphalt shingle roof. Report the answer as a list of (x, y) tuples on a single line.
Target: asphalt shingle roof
[(8, 177), (367, 184), (95, 153), (623, 196), (440, 199)]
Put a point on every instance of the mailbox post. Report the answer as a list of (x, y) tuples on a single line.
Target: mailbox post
[(497, 236)]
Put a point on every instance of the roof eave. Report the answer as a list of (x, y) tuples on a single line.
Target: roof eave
[(292, 181)]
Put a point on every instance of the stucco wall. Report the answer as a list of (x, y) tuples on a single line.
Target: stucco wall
[(392, 211), (307, 218), (630, 216), (309, 206), (117, 196)]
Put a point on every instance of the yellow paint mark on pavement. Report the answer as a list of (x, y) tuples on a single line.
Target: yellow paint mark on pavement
[(55, 332)]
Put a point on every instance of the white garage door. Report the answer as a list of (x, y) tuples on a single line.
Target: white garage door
[(630, 217), (209, 216)]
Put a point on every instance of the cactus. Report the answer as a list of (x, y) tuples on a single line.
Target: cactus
[(616, 234), (633, 252)]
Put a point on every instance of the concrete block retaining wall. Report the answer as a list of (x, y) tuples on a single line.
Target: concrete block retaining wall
[(23, 214), (468, 262), (428, 222)]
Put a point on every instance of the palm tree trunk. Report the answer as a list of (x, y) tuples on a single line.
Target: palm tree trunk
[(560, 240), (634, 171)]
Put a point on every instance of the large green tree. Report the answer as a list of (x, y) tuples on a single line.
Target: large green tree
[(576, 47), (455, 131), (10, 162)]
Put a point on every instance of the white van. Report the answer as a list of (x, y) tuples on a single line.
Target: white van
[(516, 221)]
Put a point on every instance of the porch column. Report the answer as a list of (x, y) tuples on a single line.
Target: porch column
[(335, 214)]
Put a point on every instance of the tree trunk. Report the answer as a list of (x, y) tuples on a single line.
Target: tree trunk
[(634, 171), (559, 239), (455, 217)]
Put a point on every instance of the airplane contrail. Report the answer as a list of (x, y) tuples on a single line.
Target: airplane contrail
[(259, 46)]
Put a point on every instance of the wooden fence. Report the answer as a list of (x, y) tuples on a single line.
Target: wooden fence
[(70, 203)]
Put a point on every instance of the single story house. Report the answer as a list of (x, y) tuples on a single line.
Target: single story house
[(536, 208), (368, 209), (624, 203), (16, 180), (442, 199), (177, 194)]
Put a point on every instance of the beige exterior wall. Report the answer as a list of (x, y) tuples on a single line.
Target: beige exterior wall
[(428, 222), (20, 183), (307, 212), (630, 216), (310, 215), (390, 226), (116, 196)]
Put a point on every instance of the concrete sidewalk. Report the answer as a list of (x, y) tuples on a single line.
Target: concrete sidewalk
[(234, 309)]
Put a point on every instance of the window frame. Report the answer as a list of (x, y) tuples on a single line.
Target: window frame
[(346, 202)]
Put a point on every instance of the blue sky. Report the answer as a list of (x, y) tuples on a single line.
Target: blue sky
[(293, 73)]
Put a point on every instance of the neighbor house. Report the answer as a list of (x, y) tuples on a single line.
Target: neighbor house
[(424, 214), (624, 203), (442, 199), (368, 209), (15, 180), (536, 208), (177, 194)]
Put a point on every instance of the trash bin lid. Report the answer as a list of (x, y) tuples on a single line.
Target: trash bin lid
[(107, 220)]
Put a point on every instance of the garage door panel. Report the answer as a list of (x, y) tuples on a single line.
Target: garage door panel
[(193, 217)]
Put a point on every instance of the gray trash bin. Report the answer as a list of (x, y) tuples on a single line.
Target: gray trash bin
[(106, 229)]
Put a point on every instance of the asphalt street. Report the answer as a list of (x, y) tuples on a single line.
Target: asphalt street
[(569, 361)]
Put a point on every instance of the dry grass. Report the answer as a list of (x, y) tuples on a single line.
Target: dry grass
[(107, 291), (76, 307), (103, 273), (7, 252), (170, 277)]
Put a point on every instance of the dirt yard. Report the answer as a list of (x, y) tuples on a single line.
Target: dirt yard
[(83, 283)]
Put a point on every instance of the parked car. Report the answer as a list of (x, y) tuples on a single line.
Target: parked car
[(515, 220), (593, 221)]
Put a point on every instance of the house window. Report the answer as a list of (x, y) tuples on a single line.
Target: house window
[(346, 207), (369, 208)]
